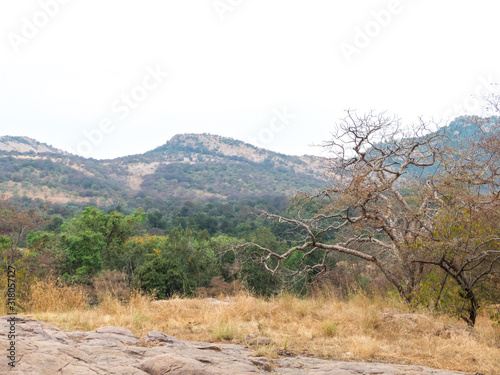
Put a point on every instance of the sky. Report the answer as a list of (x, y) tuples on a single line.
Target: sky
[(111, 78)]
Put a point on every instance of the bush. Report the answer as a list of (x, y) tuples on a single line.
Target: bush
[(163, 277)]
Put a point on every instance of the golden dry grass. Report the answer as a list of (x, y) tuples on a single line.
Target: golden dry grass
[(323, 326)]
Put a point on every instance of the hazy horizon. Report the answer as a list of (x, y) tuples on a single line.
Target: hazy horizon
[(277, 75)]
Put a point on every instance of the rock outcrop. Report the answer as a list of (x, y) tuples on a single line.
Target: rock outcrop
[(42, 348)]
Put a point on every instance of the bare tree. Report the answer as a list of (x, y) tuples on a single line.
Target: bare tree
[(381, 200), (406, 200), (14, 225)]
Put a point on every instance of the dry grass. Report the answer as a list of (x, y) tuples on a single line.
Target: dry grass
[(47, 296), (323, 326)]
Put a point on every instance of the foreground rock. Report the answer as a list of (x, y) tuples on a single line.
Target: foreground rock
[(42, 348)]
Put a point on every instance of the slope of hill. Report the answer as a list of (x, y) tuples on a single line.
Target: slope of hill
[(465, 128), (189, 166), (21, 145)]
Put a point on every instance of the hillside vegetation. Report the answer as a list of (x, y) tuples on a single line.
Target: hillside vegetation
[(187, 167)]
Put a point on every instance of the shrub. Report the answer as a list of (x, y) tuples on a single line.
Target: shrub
[(162, 276)]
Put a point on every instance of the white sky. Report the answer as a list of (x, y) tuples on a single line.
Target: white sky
[(232, 69)]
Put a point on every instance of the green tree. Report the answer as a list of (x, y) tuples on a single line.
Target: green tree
[(83, 255), (135, 252), (194, 254), (93, 241)]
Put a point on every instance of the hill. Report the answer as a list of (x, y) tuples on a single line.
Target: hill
[(22, 145), (188, 167)]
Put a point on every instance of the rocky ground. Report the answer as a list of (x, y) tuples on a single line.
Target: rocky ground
[(42, 348)]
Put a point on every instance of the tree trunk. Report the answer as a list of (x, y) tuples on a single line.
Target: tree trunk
[(473, 307)]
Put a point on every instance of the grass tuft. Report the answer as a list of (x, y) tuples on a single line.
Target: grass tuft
[(330, 329)]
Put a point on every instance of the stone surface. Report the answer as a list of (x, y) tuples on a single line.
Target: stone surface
[(42, 348), (159, 337)]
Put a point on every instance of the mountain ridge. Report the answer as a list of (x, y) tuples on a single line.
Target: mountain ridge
[(26, 144), (188, 166)]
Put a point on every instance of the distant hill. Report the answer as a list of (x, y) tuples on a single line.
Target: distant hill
[(22, 145), (188, 167)]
